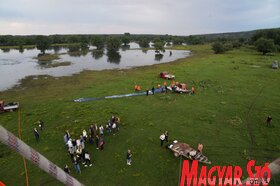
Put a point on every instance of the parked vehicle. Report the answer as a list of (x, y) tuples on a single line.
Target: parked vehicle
[(8, 107), (166, 75), (183, 149)]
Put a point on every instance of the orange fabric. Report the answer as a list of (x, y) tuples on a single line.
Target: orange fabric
[(2, 184), (164, 83), (138, 87)]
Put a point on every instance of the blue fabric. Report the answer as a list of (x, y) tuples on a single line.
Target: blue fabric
[(158, 90)]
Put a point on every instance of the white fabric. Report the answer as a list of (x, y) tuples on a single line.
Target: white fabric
[(162, 137), (193, 153), (114, 125), (78, 141), (84, 133), (69, 143), (87, 156)]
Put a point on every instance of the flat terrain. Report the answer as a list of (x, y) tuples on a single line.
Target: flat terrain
[(236, 91)]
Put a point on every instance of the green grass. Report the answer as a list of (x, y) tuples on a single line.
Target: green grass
[(235, 93), (54, 64), (47, 57)]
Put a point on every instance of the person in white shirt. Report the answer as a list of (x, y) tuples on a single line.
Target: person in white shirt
[(85, 135), (69, 143), (87, 159), (162, 138)]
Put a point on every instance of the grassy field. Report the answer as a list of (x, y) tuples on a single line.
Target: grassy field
[(236, 91)]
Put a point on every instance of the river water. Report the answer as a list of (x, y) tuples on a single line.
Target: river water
[(16, 65)]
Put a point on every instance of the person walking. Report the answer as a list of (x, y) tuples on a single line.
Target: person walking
[(268, 121), (128, 157), (85, 135), (166, 136), (71, 152), (76, 165), (91, 131), (97, 141), (66, 169), (101, 130), (200, 147), (67, 135), (41, 125), (165, 86), (36, 134), (114, 128), (65, 139), (162, 138), (102, 142), (193, 90), (87, 160)]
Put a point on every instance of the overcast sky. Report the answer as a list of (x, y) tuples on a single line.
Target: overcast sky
[(175, 17)]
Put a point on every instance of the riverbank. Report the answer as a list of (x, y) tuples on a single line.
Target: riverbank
[(235, 92)]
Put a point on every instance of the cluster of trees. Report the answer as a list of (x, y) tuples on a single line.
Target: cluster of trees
[(126, 38), (265, 41), (222, 45)]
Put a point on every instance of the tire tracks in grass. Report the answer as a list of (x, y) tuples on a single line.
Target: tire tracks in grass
[(248, 123)]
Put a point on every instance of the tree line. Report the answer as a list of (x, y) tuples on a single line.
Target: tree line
[(265, 41)]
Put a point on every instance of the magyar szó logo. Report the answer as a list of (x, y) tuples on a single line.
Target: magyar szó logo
[(224, 175)]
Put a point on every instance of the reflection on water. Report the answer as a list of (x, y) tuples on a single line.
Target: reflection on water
[(21, 49), (158, 56), (5, 50), (114, 57), (125, 47), (57, 49), (97, 54), (15, 65), (144, 51)]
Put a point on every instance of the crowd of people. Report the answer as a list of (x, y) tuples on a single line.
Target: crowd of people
[(95, 135)]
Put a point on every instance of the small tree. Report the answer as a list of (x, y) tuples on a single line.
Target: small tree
[(144, 43), (125, 40), (84, 46), (265, 45), (113, 44), (159, 46), (218, 47), (42, 43), (98, 41)]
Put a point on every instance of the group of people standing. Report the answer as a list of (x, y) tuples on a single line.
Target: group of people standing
[(95, 134), (77, 152)]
